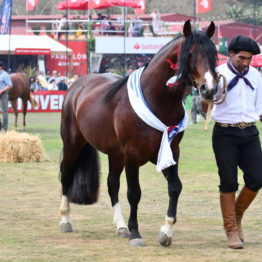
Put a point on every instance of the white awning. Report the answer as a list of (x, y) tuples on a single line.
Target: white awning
[(31, 45)]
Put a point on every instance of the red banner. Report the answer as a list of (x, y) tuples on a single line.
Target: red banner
[(48, 101), (61, 62), (31, 4), (203, 6)]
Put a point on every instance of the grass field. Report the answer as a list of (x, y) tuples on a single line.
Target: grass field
[(30, 199)]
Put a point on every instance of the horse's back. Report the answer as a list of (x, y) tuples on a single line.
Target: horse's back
[(20, 86), (85, 109)]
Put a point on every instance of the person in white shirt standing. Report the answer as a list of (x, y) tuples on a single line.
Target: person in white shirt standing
[(235, 137), (5, 86)]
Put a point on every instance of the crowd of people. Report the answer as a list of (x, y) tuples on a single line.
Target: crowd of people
[(105, 25), (54, 81)]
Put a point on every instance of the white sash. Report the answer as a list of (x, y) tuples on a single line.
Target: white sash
[(138, 103)]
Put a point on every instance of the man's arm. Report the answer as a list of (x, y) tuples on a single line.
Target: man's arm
[(5, 89)]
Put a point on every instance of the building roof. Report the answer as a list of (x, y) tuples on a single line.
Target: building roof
[(31, 44)]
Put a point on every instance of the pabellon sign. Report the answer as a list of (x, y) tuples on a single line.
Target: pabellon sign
[(48, 101)]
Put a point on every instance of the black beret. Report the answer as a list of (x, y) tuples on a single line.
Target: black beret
[(244, 43), (1, 63)]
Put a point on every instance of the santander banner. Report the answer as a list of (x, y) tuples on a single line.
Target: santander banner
[(48, 101), (130, 45), (61, 62)]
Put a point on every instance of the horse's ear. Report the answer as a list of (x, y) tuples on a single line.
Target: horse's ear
[(211, 29), (187, 29)]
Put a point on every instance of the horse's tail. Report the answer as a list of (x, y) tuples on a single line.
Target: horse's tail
[(84, 188), (32, 101)]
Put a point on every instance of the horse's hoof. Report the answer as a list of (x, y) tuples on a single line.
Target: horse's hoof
[(123, 232), (136, 242), (164, 240), (66, 227)]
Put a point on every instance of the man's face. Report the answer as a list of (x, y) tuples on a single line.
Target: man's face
[(240, 60)]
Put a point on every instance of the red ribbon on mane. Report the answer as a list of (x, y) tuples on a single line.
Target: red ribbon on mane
[(172, 65)]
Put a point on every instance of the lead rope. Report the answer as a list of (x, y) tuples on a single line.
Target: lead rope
[(223, 95)]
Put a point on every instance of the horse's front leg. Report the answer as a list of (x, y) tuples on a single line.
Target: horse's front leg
[(133, 195), (174, 190)]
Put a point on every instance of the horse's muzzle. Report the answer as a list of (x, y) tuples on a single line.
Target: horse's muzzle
[(208, 94)]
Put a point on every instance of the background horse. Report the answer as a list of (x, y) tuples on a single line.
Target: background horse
[(21, 90), (97, 115)]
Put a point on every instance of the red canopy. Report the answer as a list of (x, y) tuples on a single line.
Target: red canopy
[(257, 61), (99, 4), (127, 3), (73, 4), (96, 4)]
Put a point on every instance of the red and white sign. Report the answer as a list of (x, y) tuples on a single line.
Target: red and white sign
[(203, 6), (48, 101), (32, 51), (61, 62), (31, 4), (130, 45)]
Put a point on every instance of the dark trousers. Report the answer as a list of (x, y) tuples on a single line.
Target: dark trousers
[(234, 147)]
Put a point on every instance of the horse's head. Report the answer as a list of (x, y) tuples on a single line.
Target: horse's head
[(198, 57)]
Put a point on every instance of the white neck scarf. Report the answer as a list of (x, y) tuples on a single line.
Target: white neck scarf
[(138, 103)]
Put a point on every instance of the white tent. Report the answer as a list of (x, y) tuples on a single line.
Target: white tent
[(31, 45)]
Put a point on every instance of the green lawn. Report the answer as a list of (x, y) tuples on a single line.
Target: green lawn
[(30, 199)]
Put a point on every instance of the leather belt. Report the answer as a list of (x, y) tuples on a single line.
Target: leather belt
[(240, 125)]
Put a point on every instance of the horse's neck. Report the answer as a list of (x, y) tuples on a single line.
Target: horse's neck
[(164, 101)]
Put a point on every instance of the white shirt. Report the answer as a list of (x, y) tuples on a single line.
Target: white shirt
[(242, 104)]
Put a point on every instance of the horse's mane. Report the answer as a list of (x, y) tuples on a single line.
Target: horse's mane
[(114, 88), (199, 38)]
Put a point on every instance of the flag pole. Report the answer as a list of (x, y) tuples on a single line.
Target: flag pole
[(9, 33), (194, 12)]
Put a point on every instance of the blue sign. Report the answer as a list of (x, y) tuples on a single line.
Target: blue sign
[(5, 16)]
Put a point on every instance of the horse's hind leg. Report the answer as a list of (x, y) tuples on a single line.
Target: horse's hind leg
[(24, 113), (65, 170), (14, 106), (113, 182), (174, 190)]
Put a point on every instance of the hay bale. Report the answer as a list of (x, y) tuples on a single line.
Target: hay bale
[(20, 147)]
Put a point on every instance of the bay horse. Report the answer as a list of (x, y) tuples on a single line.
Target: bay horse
[(20, 89), (102, 113)]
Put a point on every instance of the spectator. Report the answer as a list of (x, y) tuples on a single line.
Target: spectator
[(62, 86), (54, 76), (137, 27), (72, 80), (5, 86), (42, 80), (52, 85), (63, 25)]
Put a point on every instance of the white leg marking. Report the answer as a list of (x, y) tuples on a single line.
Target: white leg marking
[(118, 219), (209, 80), (64, 210), (167, 228)]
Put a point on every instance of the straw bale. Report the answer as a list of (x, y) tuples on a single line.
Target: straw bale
[(20, 147)]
